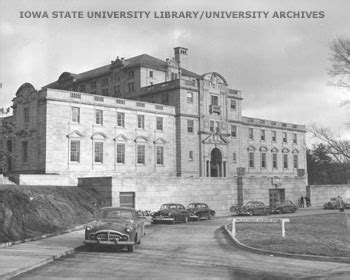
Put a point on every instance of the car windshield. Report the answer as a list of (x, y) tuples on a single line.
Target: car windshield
[(171, 206), (250, 203), (115, 214)]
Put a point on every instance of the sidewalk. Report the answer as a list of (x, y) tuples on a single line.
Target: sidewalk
[(23, 257)]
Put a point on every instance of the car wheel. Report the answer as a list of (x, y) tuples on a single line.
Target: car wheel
[(137, 242), (251, 213), (209, 216), (131, 248)]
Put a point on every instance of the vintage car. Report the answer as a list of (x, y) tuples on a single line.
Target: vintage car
[(331, 204), (199, 211), (171, 213), (251, 208), (115, 226), (284, 207)]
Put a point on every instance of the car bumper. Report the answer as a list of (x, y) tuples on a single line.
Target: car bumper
[(163, 219), (100, 242)]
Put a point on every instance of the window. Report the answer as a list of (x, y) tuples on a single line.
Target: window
[(120, 153), (159, 123), (214, 100), (284, 137), (234, 157), (141, 121), (295, 138), (165, 99), (262, 136), (25, 151), (251, 159), (117, 90), (26, 114), (151, 74), (93, 85), (233, 104), (98, 152), (131, 87), (217, 127), (104, 81), (160, 155), (233, 131), (120, 119), (190, 125), (285, 161), (173, 76), (263, 160), (141, 154), (274, 161), (82, 88), (274, 136), (117, 76), (99, 117), (76, 114), (295, 161), (75, 150), (105, 92), (212, 126), (131, 75), (251, 134), (190, 155), (189, 97)]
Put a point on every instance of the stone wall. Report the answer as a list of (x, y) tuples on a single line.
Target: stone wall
[(43, 180), (320, 194)]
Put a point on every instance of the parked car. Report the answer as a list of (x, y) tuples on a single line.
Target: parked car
[(251, 208), (115, 226), (200, 210), (331, 204), (171, 212), (284, 207), (347, 203)]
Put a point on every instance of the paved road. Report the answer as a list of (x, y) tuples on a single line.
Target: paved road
[(197, 250)]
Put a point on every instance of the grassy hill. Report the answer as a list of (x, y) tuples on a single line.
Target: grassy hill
[(30, 211)]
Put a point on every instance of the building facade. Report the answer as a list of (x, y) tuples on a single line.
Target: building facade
[(146, 116)]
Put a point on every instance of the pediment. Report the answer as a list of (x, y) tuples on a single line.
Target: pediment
[(141, 139), (99, 136), (75, 134), (274, 150), (159, 141), (121, 138), (216, 139), (285, 150), (251, 148), (295, 151), (263, 149)]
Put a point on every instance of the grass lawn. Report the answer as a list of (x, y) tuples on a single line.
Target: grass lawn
[(323, 235)]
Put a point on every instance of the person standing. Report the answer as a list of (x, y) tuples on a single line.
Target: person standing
[(340, 204)]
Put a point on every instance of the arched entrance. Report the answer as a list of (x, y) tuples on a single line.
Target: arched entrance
[(216, 163)]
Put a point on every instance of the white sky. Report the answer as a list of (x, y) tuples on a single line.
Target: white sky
[(280, 65)]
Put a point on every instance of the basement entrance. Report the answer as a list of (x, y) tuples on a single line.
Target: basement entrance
[(127, 199), (216, 163), (276, 195)]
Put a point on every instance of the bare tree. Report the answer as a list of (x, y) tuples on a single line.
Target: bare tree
[(340, 62), (338, 148)]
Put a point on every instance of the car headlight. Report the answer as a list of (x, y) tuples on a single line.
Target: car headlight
[(88, 228), (128, 230)]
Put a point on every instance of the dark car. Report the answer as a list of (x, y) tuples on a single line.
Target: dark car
[(115, 226), (251, 208), (284, 207), (331, 204), (171, 212), (200, 210)]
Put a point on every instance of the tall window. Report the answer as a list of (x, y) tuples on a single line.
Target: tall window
[(233, 104), (263, 160), (274, 161), (151, 74), (120, 153), (131, 75), (159, 123), (26, 114), (25, 151), (98, 152), (117, 76), (82, 88), (217, 127), (120, 119), (141, 154), (234, 157), (160, 155), (285, 140), (189, 97), (75, 150), (190, 125), (105, 92), (295, 138), (233, 130), (214, 100), (141, 121), (251, 134), (295, 161), (165, 99), (76, 114), (93, 85), (131, 87), (262, 135), (190, 155), (285, 161), (274, 136), (251, 159), (117, 90), (99, 117), (212, 126)]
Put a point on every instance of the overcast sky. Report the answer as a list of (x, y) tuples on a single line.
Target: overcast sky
[(280, 65)]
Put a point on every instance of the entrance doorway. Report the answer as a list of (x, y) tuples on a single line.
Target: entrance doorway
[(216, 163), (276, 195)]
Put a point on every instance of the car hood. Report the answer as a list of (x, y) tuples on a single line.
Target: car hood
[(115, 225), (167, 211)]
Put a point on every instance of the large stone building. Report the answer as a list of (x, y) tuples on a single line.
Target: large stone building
[(145, 116)]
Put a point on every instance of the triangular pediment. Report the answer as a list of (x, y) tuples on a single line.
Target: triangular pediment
[(274, 150), (159, 141), (285, 150), (121, 138), (141, 139), (216, 139), (295, 151), (75, 134), (251, 148), (99, 136), (263, 149)]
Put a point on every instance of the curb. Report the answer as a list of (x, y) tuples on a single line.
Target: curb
[(282, 254)]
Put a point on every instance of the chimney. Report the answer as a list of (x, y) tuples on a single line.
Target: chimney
[(181, 56)]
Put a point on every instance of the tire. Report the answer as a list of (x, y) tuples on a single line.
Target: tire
[(137, 242), (131, 248)]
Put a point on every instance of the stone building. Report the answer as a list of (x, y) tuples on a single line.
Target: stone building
[(145, 116)]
